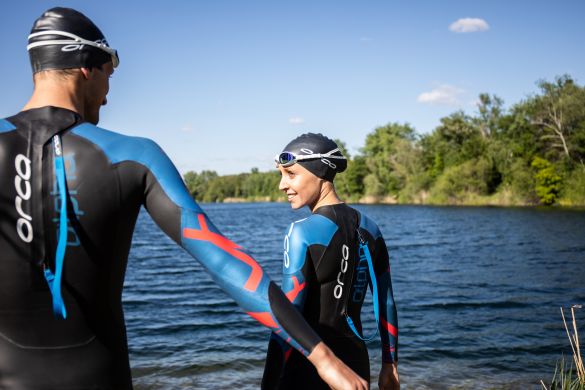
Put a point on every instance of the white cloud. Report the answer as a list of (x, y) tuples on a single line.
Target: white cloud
[(366, 39), (188, 128), (443, 95), (296, 120), (468, 25)]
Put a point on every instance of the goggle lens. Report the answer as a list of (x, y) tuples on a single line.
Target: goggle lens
[(286, 158), (115, 59)]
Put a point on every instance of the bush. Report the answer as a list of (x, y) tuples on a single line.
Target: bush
[(373, 186), (548, 181), (461, 181), (520, 180), (350, 184), (573, 192), (414, 188)]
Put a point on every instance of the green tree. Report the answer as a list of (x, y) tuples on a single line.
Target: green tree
[(573, 192), (456, 140), (548, 181), (532, 153), (261, 184), (490, 109), (229, 186), (198, 183), (386, 154), (350, 184), (559, 117), (460, 181), (520, 180), (372, 185)]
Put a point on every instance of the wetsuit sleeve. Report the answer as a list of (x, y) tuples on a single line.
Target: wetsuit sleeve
[(294, 281), (388, 315), (294, 266), (169, 203)]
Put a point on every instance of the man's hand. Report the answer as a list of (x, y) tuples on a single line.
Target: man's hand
[(389, 379), (333, 371)]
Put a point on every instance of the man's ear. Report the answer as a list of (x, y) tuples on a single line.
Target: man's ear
[(87, 73)]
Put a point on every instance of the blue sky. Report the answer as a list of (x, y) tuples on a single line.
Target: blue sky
[(224, 85)]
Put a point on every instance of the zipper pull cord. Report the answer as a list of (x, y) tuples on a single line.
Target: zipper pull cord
[(364, 254), (54, 280)]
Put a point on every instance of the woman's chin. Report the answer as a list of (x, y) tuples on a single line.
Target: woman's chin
[(295, 204)]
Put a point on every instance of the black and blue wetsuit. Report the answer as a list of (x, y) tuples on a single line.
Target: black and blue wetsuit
[(108, 177), (325, 279)]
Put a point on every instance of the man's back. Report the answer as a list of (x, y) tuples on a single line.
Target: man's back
[(109, 177), (103, 202)]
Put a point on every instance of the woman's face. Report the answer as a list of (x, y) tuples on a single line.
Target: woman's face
[(301, 186)]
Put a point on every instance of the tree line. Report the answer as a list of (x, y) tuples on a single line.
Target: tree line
[(530, 153)]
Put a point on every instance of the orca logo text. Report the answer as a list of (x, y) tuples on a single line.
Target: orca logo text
[(338, 290), (23, 193)]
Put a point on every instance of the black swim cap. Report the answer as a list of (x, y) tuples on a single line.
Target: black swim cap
[(63, 38), (315, 152)]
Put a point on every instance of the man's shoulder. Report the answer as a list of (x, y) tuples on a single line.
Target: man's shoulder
[(6, 126), (100, 135), (117, 146)]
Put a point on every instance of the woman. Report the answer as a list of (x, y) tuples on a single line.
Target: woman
[(328, 260)]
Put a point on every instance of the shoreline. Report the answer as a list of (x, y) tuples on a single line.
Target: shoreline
[(391, 201)]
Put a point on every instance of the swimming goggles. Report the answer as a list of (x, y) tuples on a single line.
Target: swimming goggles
[(286, 159), (74, 43)]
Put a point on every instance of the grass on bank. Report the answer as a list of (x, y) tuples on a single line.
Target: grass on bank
[(572, 377)]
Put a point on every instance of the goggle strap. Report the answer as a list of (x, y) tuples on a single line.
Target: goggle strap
[(319, 155), (296, 157), (304, 157), (75, 40)]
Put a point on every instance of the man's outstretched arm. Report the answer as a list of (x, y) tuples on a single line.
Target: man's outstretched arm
[(169, 203)]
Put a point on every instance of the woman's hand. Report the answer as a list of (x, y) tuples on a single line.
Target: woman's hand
[(389, 379), (333, 371)]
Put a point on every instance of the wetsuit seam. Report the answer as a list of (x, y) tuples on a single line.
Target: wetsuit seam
[(13, 342), (118, 226), (318, 261), (115, 165)]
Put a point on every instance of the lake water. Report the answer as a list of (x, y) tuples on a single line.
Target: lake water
[(478, 292)]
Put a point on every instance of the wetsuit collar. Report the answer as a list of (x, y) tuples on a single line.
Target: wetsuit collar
[(329, 209), (44, 122)]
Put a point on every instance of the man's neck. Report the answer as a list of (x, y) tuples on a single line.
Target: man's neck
[(56, 94)]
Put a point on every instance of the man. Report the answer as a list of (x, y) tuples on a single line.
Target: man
[(69, 198)]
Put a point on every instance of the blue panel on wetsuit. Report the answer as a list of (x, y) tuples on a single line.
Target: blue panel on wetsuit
[(6, 126), (118, 148), (315, 230), (369, 225)]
